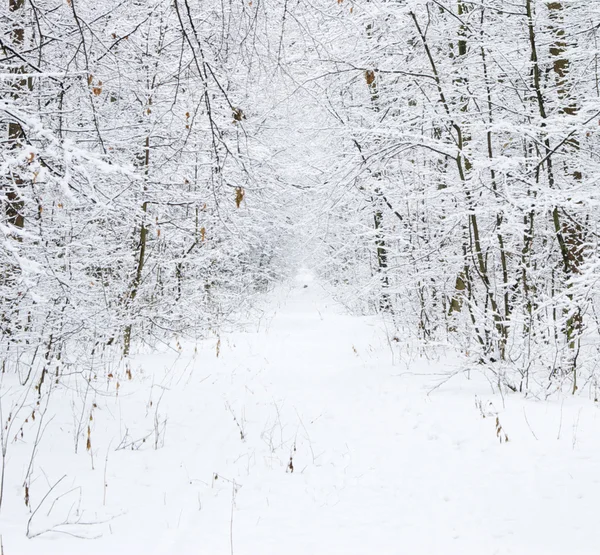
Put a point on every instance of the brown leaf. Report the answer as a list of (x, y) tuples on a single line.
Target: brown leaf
[(238, 114), (239, 196)]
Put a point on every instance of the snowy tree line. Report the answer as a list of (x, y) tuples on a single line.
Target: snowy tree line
[(435, 160), (136, 184), (466, 177)]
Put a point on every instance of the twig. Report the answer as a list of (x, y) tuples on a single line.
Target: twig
[(56, 527), (240, 428), (105, 465), (61, 496), (532, 432), (560, 423), (575, 428), (307, 435), (158, 424), (57, 531), (134, 444), (39, 505), (448, 378), (233, 491)]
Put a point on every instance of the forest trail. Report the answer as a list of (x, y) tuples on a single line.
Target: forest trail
[(384, 462)]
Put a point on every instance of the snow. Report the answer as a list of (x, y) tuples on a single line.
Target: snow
[(391, 453)]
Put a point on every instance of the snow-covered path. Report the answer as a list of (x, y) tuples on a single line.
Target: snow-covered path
[(381, 463)]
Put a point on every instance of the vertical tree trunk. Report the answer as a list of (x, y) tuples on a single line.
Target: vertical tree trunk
[(568, 236), (463, 166), (382, 261), (141, 256), (385, 303), (499, 215), (14, 204)]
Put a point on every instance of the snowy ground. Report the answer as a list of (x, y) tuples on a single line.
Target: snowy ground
[(384, 462)]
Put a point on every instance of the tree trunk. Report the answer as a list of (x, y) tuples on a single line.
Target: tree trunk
[(14, 204), (141, 257)]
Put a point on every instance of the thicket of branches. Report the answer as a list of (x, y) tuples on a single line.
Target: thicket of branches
[(138, 198), (437, 158), (466, 198)]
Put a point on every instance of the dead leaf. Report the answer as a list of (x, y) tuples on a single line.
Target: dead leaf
[(239, 196)]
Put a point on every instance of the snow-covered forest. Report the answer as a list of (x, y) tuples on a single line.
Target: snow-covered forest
[(227, 225)]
